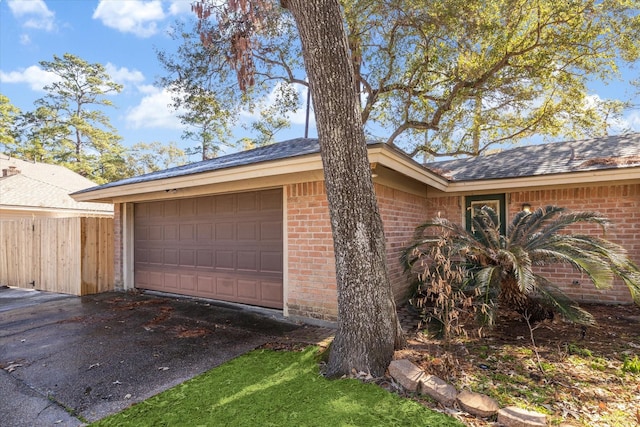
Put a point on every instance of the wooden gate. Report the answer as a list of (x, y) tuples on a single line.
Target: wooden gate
[(67, 255)]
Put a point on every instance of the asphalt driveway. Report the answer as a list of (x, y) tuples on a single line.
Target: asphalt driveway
[(66, 359)]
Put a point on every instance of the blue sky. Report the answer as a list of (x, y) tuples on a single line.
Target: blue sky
[(123, 35)]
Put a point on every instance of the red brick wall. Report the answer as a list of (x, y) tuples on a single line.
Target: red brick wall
[(311, 288), (401, 213), (620, 203)]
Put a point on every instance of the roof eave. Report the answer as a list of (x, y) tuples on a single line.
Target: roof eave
[(571, 178), (289, 167)]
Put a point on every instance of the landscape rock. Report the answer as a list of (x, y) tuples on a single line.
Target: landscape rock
[(512, 416), (438, 389), (406, 373), (477, 404)]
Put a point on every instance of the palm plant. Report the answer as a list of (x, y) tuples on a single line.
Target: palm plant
[(501, 270)]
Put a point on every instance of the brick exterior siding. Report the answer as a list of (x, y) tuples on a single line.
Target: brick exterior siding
[(620, 203), (311, 288)]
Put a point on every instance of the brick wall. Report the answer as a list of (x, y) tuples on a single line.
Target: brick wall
[(401, 213), (311, 290), (620, 203)]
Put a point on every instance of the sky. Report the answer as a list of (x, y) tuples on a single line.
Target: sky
[(123, 36)]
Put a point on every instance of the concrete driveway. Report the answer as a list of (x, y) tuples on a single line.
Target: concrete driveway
[(70, 360)]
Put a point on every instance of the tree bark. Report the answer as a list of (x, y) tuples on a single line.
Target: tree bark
[(368, 327)]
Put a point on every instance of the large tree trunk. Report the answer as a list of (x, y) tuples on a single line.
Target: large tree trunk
[(368, 326)]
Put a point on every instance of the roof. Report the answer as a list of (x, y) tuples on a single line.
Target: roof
[(282, 150), (611, 152), (44, 186), (259, 166)]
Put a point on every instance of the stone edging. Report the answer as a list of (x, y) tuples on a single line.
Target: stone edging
[(414, 379)]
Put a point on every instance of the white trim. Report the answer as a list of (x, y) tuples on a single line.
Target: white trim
[(128, 246), (285, 254), (277, 173), (553, 180)]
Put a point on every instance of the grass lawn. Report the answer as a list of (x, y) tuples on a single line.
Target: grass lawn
[(275, 388)]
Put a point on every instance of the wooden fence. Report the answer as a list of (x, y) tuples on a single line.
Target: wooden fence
[(66, 255)]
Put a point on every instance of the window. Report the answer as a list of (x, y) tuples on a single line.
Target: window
[(494, 201)]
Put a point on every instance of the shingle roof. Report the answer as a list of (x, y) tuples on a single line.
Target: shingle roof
[(282, 150), (40, 185), (552, 158)]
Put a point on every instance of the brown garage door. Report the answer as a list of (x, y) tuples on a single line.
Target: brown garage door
[(226, 247)]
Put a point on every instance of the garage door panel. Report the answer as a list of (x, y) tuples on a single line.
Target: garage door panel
[(204, 205), (170, 232), (188, 282), (224, 204), (187, 232), (206, 285), (205, 258), (226, 247), (249, 290), (225, 260), (247, 202), (170, 208), (271, 231), (270, 262), (156, 232), (247, 261), (225, 231), (271, 292), (156, 256), (225, 287), (247, 231), (187, 258), (187, 207), (271, 200), (204, 232), (170, 257)]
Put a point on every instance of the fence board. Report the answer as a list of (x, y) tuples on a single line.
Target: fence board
[(68, 255)]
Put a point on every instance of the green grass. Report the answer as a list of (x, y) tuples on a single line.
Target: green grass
[(269, 388)]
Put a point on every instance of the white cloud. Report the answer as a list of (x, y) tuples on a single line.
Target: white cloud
[(34, 76), (179, 7), (632, 121), (35, 13), (154, 111), (123, 75), (132, 16)]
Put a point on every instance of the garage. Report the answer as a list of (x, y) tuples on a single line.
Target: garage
[(226, 247)]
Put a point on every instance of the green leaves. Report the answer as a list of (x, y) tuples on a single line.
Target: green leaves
[(510, 264)]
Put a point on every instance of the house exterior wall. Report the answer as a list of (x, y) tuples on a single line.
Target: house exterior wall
[(311, 289), (619, 202)]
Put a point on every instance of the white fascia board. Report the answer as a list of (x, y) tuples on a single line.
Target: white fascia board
[(260, 170), (406, 166), (555, 180)]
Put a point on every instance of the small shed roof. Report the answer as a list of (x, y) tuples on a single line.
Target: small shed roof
[(34, 185)]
